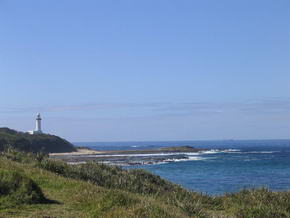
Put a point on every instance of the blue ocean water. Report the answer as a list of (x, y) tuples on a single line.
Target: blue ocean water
[(230, 166)]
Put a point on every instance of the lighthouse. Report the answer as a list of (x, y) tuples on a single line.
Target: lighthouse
[(38, 123), (37, 126)]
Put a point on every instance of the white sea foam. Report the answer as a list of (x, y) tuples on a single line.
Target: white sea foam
[(232, 150), (216, 151), (157, 162), (212, 151), (181, 160), (186, 159), (152, 162), (236, 151), (141, 155), (261, 152), (189, 155)]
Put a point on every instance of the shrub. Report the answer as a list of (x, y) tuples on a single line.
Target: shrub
[(258, 203), (137, 181), (16, 189)]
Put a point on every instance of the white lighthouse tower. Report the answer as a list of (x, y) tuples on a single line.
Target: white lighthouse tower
[(37, 126), (38, 123)]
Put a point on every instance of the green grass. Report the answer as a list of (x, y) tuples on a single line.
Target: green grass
[(258, 203), (35, 186), (18, 189)]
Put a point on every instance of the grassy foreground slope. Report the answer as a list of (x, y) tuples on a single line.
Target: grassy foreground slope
[(75, 198), (49, 188)]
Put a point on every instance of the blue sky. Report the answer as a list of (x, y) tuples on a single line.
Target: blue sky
[(146, 70)]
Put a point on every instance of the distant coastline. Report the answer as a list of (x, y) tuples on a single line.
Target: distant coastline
[(128, 157)]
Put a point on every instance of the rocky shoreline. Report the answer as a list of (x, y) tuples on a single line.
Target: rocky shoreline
[(129, 157)]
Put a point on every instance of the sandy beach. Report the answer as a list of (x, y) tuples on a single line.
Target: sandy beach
[(80, 151)]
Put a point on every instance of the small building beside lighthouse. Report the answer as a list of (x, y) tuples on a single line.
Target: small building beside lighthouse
[(37, 126)]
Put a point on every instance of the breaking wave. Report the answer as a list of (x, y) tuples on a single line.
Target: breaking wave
[(164, 161), (169, 157), (260, 152)]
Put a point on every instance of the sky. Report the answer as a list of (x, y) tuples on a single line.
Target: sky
[(151, 70)]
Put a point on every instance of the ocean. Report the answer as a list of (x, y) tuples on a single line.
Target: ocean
[(227, 167)]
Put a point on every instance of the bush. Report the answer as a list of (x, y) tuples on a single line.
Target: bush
[(258, 203), (137, 181), (16, 189)]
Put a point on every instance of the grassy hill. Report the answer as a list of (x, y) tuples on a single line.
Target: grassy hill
[(33, 143), (93, 190), (48, 188)]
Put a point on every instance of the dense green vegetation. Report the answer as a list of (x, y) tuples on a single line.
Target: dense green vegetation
[(18, 189), (33, 143), (98, 190)]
